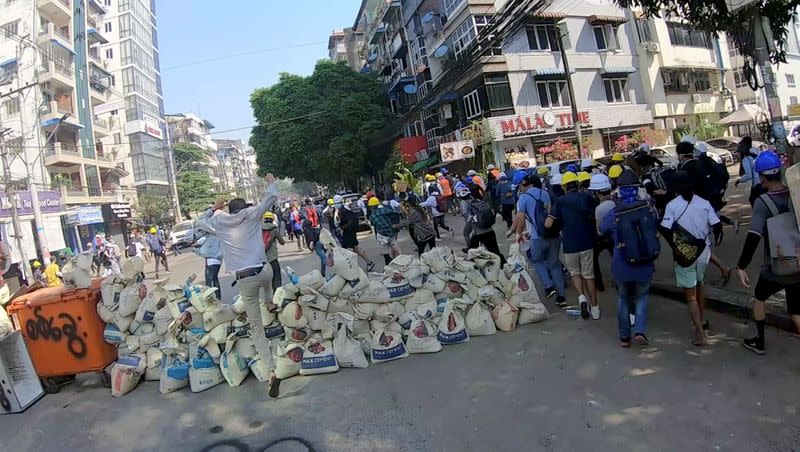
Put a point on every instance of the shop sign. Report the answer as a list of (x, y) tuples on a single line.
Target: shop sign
[(151, 127), (542, 123), (793, 110), (49, 202), (412, 149), (117, 211), (457, 150), (83, 215)]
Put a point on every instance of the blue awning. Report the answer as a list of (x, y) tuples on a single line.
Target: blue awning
[(446, 97), (617, 70), (54, 121), (8, 62), (401, 81), (553, 72), (56, 42)]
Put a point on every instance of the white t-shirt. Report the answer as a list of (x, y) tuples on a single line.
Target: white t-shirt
[(602, 209), (139, 248), (696, 217)]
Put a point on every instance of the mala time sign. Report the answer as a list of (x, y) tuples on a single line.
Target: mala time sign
[(541, 124)]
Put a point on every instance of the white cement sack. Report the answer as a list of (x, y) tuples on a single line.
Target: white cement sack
[(340, 305), (314, 280), (177, 306), (105, 314), (140, 329), (192, 318), (406, 318), (282, 296), (490, 295), (212, 347), (327, 240), (516, 260), (205, 300), (316, 319), (126, 374), (344, 263), (524, 287), (174, 375), (421, 297), (132, 342), (149, 339), (452, 328), (6, 326), (364, 311), (131, 268), (376, 292), (200, 358), (448, 274), (318, 357), (155, 362), (129, 300), (398, 287), (314, 300), (383, 314), (147, 309), (422, 336), (274, 330), (505, 316), (347, 349), (75, 276), (246, 348), (398, 308), (259, 368), (113, 335), (267, 317), (355, 285), (110, 290), (532, 313), (123, 349), (202, 379), (299, 335), (429, 310), (333, 286), (162, 320), (479, 320), (503, 284), (386, 342), (194, 334), (412, 269), (238, 304), (432, 282), (439, 258), (451, 290), (234, 368), (287, 360), (292, 316), (487, 262), (472, 273), (216, 315), (360, 326), (123, 323)]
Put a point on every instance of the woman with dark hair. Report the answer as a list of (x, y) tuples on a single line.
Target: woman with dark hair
[(747, 158), (417, 219)]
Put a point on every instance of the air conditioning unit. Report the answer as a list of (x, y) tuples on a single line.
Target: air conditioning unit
[(652, 47), (697, 98)]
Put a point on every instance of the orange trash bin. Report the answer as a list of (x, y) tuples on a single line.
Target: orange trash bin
[(63, 332)]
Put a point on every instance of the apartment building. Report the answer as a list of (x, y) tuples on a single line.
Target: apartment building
[(191, 128), (65, 139), (345, 45), (237, 169), (131, 55)]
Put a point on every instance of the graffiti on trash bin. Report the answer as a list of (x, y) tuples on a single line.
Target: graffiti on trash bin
[(42, 327)]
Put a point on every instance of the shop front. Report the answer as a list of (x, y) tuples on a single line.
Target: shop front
[(116, 218), (82, 224), (526, 140)]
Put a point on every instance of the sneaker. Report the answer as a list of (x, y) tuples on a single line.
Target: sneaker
[(561, 301), (370, 266), (754, 346), (596, 312), (549, 292), (584, 303), (641, 339)]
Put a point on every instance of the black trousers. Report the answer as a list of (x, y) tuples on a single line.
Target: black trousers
[(489, 241), (430, 243), (277, 278), (505, 211), (601, 244), (212, 278), (438, 222)]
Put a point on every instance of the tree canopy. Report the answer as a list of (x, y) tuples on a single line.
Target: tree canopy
[(713, 16), (153, 209), (189, 157), (195, 187), (316, 128)]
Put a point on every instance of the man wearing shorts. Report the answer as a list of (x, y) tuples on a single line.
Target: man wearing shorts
[(776, 200), (382, 218), (575, 210)]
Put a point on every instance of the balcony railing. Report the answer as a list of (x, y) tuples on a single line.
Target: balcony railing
[(62, 148), (63, 107), (95, 58), (102, 123)]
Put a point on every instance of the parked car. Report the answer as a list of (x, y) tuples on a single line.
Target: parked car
[(560, 167), (668, 155), (184, 233), (725, 156), (730, 144)]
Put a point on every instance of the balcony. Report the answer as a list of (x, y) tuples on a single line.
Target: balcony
[(62, 154), (87, 195), (58, 10), (56, 109), (94, 37), (59, 74), (48, 32), (101, 127), (389, 6), (380, 31)]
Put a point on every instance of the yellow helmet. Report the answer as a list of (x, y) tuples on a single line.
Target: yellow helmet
[(153, 230), (543, 171), (269, 216), (568, 178), (439, 175), (615, 171), (37, 264), (429, 177), (617, 157), (583, 176), (373, 202), (330, 201)]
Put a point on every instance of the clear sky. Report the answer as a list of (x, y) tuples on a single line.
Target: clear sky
[(195, 31)]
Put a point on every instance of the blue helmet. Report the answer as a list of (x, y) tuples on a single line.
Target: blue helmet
[(571, 168), (767, 162), (518, 176), (443, 170)]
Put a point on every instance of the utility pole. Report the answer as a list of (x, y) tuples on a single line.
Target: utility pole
[(173, 183), (576, 125), (10, 195), (761, 32)]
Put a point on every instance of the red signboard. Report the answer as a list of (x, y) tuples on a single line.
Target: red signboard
[(539, 124), (412, 148)]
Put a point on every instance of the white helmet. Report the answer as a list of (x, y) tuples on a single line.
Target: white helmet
[(587, 163), (644, 147), (462, 192), (286, 205), (556, 179), (688, 139), (490, 167), (471, 173), (337, 199), (599, 182)]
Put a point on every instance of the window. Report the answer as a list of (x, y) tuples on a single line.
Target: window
[(733, 49), (553, 93), (617, 90), (498, 90), (463, 36), (472, 105), (605, 36), (702, 82), (11, 107), (792, 100), (107, 27), (543, 38), (117, 138), (790, 81), (687, 36), (451, 5), (739, 78), (109, 54), (9, 30), (643, 30), (676, 81), (414, 129), (482, 22), (107, 2)]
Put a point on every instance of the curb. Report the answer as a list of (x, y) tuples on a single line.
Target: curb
[(727, 302)]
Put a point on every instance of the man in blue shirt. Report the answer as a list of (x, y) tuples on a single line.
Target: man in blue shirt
[(532, 209), (505, 194), (575, 209)]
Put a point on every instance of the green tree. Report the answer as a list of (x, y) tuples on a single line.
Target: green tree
[(195, 191), (188, 157), (337, 111), (154, 209)]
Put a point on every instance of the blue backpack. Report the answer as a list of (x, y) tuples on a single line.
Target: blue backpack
[(637, 233), (539, 217)]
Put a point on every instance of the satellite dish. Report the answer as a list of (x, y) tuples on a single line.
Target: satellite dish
[(410, 89), (440, 51), (427, 17)]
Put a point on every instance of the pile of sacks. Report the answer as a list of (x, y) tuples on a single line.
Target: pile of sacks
[(184, 336)]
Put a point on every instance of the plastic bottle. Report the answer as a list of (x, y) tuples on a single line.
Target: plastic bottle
[(292, 275)]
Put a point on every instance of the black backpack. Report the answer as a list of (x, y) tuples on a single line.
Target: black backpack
[(131, 249), (483, 214)]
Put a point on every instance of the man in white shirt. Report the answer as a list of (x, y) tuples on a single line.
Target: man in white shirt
[(239, 233)]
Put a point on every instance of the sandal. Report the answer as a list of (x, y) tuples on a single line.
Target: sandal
[(274, 387)]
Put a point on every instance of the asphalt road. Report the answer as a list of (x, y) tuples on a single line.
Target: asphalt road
[(562, 385)]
